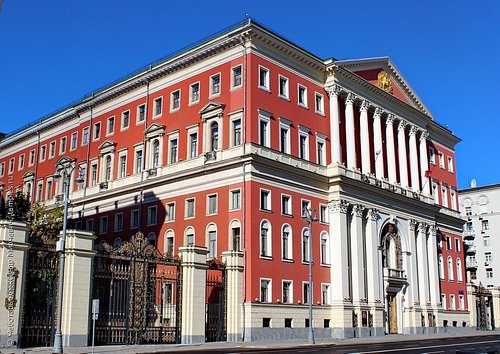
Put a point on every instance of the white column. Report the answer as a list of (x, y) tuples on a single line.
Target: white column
[(377, 143), (391, 152), (403, 162), (333, 92), (349, 131), (414, 159), (423, 270), (424, 163), (433, 267), (413, 276), (372, 261), (234, 286), (357, 256), (365, 138)]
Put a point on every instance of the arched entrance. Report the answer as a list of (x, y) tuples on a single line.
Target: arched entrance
[(394, 277)]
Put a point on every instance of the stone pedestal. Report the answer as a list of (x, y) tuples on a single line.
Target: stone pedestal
[(13, 247), (194, 280), (234, 269), (77, 291)]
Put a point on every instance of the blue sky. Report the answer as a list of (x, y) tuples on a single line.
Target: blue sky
[(54, 52)]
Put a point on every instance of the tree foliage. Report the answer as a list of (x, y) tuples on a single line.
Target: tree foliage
[(45, 224), (16, 208)]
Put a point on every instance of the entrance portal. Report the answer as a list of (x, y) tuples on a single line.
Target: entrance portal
[(392, 315)]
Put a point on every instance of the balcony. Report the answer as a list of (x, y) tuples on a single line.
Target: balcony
[(471, 249), (395, 278), (469, 234), (471, 264)]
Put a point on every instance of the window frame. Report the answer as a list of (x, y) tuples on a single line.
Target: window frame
[(286, 94), (125, 114), (265, 199), (232, 194), (209, 211), (141, 113), (213, 85), (187, 203), (264, 80), (302, 96), (152, 217), (319, 107), (234, 85), (175, 102), (192, 99), (157, 107), (170, 211)]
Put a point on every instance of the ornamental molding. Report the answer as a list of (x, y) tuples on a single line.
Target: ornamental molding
[(333, 90), (424, 135), (338, 206), (412, 223), (378, 112), (390, 119), (154, 130), (402, 124), (357, 210), (372, 214), (365, 104), (351, 97)]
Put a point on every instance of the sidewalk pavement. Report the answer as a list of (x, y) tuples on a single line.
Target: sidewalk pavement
[(277, 344)]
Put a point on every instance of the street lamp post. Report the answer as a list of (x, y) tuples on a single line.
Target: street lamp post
[(64, 169), (309, 216)]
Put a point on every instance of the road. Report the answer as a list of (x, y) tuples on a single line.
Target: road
[(456, 345)]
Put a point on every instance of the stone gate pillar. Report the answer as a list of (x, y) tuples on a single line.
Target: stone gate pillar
[(13, 247), (77, 292), (194, 283), (234, 276)]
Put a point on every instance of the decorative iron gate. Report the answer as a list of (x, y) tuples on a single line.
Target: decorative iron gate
[(139, 294), (215, 324), (40, 297)]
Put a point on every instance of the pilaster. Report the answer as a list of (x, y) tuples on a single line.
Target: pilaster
[(414, 159), (424, 163), (365, 138), (423, 270), (402, 155), (234, 276), (377, 143), (350, 133), (333, 92), (391, 152)]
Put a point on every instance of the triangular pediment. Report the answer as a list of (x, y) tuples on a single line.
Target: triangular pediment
[(212, 106), (382, 73), (28, 175), (154, 130), (107, 144)]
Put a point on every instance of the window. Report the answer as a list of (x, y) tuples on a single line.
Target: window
[(43, 155), (443, 301), (448, 243), (283, 87), (305, 293), (141, 113), (11, 165), (468, 226), (158, 106), (189, 237), (170, 211), (134, 218), (93, 174), (285, 139), (263, 78), (320, 151), (152, 215), (236, 238), (265, 239), (235, 199), (487, 257), (461, 302), (325, 294), (489, 273), (103, 225), (212, 244), (119, 222), (444, 196), (110, 129), (236, 132), (31, 160), (484, 225), (52, 149), (305, 206), (305, 245), (441, 159), (21, 162), (123, 166), (138, 161), (486, 241), (236, 76), (85, 135), (286, 204), (451, 277), (265, 290), (286, 296), (468, 211), (323, 214), (74, 140), (175, 100), (89, 225), (193, 145), (39, 188), (215, 85), (264, 139), (441, 267), (450, 164), (214, 136), (303, 144), (265, 199), (190, 208), (48, 193), (325, 248), (2, 169), (459, 270), (173, 150), (97, 131), (107, 168), (125, 120), (452, 302), (457, 244), (169, 243), (453, 199), (435, 193), (432, 156), (319, 103), (212, 204), (195, 93), (266, 322), (62, 145), (286, 243), (302, 96)]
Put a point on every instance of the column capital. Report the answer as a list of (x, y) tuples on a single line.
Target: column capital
[(339, 205), (432, 230), (350, 98), (333, 90), (413, 129), (402, 124), (364, 106), (357, 210), (413, 224), (424, 135), (390, 119), (422, 227), (378, 112), (372, 214)]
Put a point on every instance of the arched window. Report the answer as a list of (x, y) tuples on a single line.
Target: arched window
[(441, 267), (325, 248), (450, 269), (189, 239), (107, 163), (156, 154), (459, 270), (235, 235), (305, 245), (168, 247), (286, 242), (214, 136), (211, 241), (152, 239), (265, 239)]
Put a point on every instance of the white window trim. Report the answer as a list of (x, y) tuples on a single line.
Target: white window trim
[(102, 172), (266, 86), (304, 131), (189, 230), (167, 217), (21, 162), (137, 121), (137, 148), (52, 151), (233, 86), (61, 145), (110, 133), (269, 244), (31, 157), (304, 283), (269, 289), (432, 156), (87, 129), (290, 243), (289, 206), (266, 117), (450, 164), (2, 169), (155, 114), (285, 124), (321, 138), (304, 104), (210, 81), (319, 110), (327, 215), (283, 281), (192, 130), (43, 154), (171, 137), (328, 260), (268, 199), (234, 116), (94, 131), (186, 216), (231, 191), (286, 94), (191, 100), (155, 208), (120, 155), (208, 204), (329, 291), (122, 127), (150, 159), (210, 228), (172, 109), (71, 148)]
